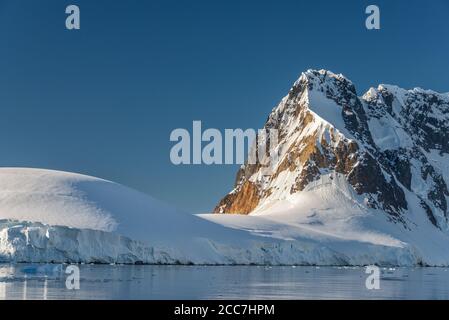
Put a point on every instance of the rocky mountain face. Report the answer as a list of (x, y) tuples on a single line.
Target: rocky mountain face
[(391, 146)]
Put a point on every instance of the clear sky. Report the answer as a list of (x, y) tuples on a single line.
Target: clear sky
[(103, 100)]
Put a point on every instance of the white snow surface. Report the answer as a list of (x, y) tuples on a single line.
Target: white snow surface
[(52, 216), (330, 215)]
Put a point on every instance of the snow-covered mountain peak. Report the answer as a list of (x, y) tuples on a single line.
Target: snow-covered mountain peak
[(381, 145), (323, 82), (321, 76)]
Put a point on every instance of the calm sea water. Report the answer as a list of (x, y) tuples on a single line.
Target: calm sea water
[(26, 281)]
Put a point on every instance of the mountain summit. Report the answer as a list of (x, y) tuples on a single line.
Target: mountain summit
[(383, 153)]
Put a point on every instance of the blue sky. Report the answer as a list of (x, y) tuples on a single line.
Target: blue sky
[(103, 100)]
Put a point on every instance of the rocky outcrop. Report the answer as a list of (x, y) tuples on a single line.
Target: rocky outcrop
[(244, 200)]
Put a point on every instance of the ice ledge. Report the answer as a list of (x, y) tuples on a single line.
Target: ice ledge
[(38, 243)]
